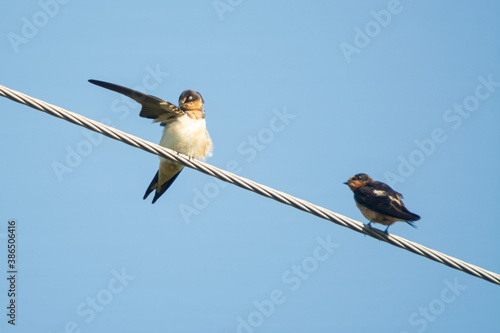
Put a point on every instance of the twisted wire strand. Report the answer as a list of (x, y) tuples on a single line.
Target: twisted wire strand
[(250, 185)]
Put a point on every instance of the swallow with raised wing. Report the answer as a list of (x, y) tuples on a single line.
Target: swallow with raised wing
[(185, 130), (378, 202)]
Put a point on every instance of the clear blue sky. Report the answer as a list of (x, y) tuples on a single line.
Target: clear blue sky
[(302, 95)]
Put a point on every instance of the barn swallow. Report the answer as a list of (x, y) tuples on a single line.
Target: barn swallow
[(185, 130), (378, 202)]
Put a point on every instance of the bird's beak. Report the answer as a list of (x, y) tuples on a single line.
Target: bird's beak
[(347, 183)]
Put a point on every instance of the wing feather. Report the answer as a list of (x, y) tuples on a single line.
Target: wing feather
[(152, 107), (383, 202)]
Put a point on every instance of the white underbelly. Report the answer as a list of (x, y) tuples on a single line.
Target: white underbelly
[(187, 136)]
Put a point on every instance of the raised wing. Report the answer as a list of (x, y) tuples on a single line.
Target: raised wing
[(152, 107)]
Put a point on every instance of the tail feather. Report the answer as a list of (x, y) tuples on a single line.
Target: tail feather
[(151, 186), (412, 223), (409, 216), (160, 189)]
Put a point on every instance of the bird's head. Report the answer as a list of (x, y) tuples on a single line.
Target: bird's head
[(356, 181), (191, 100)]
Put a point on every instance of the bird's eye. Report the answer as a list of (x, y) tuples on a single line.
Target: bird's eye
[(190, 97)]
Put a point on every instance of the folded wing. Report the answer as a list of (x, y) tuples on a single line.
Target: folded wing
[(382, 202)]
